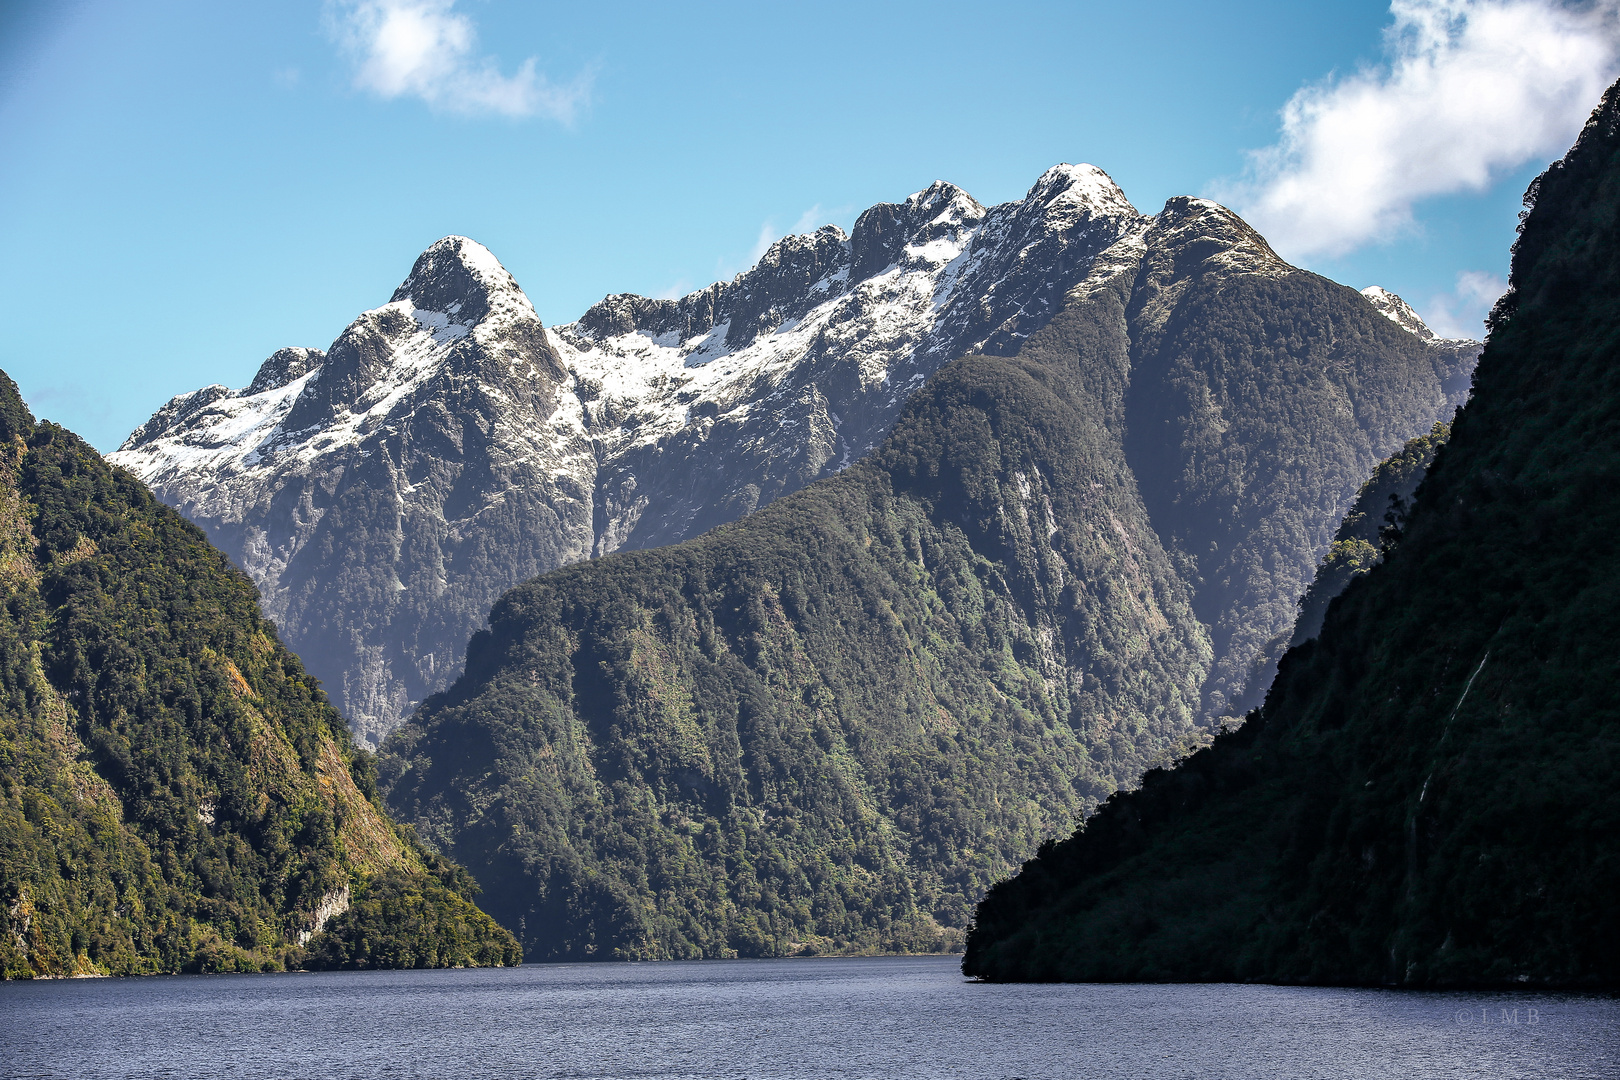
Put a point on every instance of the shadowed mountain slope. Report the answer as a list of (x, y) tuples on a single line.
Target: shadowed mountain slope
[(1428, 796)]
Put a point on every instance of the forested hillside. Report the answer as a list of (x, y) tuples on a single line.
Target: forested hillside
[(830, 726), (175, 792), (1428, 796), (1374, 522)]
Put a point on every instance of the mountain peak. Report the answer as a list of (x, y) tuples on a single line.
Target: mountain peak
[(1082, 186), (1202, 231), (947, 198), (1397, 311), (285, 365), (462, 278)]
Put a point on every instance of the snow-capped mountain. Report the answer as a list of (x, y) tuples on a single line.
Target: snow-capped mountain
[(1462, 352), (1397, 311), (447, 446)]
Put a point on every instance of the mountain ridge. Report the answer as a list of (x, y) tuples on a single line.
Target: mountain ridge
[(385, 492)]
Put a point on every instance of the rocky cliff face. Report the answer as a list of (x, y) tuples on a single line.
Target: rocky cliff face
[(384, 493), (447, 446)]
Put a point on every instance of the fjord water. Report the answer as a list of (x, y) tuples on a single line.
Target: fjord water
[(902, 1017)]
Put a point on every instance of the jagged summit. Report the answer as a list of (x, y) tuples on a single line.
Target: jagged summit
[(930, 228), (383, 493), (462, 279), (283, 366)]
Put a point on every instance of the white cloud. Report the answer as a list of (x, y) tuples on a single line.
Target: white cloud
[(767, 236), (423, 49), (1461, 312), (811, 220), (1472, 88)]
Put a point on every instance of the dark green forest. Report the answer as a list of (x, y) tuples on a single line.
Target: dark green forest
[(1428, 796), (829, 727), (175, 792)]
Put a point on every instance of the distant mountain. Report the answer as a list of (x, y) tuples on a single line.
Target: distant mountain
[(175, 792), (1428, 797), (830, 725), (384, 493)]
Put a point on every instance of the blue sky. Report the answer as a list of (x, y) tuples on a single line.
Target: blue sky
[(188, 186)]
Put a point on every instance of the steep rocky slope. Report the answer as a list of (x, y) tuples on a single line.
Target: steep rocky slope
[(1428, 796), (385, 492), (175, 793), (830, 725), (446, 447)]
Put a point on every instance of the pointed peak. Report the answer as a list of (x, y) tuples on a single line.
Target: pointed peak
[(1397, 311), (1082, 184), (456, 275), (285, 366), (943, 197), (1216, 236), (468, 254)]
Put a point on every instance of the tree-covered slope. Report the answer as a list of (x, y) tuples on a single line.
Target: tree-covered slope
[(830, 726), (833, 724), (1375, 520), (1428, 796), (175, 793), (1260, 398)]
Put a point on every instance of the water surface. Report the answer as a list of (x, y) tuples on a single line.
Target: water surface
[(769, 1019)]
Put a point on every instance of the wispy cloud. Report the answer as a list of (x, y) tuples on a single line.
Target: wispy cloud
[(1461, 312), (767, 236), (1471, 88), (424, 49), (809, 221)]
